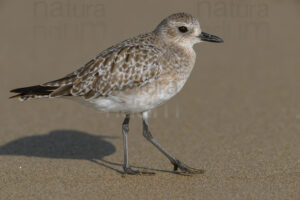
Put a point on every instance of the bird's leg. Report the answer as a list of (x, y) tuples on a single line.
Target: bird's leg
[(125, 130), (126, 167), (176, 163)]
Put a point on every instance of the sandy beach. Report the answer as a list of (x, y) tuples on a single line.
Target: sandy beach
[(237, 118)]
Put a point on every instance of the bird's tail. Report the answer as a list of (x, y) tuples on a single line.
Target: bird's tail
[(33, 92)]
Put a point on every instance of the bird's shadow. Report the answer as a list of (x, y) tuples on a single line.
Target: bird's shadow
[(67, 144), (63, 144)]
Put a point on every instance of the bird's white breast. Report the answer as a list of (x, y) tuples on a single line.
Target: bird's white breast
[(137, 100)]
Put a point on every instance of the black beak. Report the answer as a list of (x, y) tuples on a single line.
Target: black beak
[(210, 38)]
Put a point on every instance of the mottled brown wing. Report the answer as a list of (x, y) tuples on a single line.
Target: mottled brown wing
[(125, 67)]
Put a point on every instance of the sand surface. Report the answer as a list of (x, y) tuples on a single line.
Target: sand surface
[(237, 118)]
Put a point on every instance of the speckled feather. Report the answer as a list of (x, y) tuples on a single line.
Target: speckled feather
[(132, 63)]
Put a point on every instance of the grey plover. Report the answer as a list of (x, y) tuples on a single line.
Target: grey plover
[(134, 76)]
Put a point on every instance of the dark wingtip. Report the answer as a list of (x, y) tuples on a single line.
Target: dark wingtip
[(37, 90), (17, 90), (20, 92)]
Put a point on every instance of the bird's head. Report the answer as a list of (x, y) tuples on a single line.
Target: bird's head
[(183, 29)]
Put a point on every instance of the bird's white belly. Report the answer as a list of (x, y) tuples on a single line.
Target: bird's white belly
[(138, 100)]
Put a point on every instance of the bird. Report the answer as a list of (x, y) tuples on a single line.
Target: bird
[(134, 77)]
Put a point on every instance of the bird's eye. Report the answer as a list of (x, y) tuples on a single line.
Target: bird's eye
[(183, 29)]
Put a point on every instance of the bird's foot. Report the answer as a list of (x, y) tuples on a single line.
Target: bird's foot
[(186, 169), (130, 171)]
